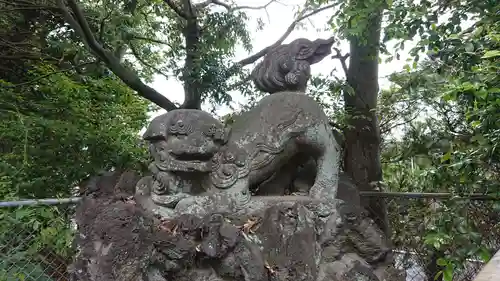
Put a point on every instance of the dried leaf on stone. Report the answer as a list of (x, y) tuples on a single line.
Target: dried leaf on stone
[(169, 226), (268, 267), (251, 225)]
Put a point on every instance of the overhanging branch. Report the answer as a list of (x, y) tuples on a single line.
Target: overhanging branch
[(151, 40), (303, 15), (176, 9), (230, 8), (77, 21)]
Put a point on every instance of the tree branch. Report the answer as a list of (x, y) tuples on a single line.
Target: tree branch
[(138, 57), (384, 130), (131, 79), (48, 74), (302, 15), (151, 40), (102, 26), (254, 7), (176, 9), (231, 8), (193, 85), (215, 2), (342, 59)]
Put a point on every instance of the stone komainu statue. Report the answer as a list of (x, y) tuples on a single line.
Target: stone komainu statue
[(216, 205)]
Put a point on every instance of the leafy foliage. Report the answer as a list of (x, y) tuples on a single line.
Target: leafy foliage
[(58, 132), (453, 148), (63, 119)]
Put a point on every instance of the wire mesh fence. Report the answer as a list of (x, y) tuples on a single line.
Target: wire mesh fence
[(429, 235), (434, 236), (36, 242)]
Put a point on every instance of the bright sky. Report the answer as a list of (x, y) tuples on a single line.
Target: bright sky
[(277, 19)]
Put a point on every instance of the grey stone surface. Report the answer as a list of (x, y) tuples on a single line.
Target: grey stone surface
[(282, 238)]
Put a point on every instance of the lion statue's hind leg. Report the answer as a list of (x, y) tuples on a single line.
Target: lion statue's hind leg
[(320, 139)]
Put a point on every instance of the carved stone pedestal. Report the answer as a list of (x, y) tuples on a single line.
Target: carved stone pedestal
[(294, 238)]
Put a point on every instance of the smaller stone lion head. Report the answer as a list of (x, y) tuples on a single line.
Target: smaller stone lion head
[(183, 144), (185, 140)]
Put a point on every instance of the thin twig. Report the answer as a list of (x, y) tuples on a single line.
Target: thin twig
[(152, 40), (232, 8), (48, 74), (342, 59), (138, 57)]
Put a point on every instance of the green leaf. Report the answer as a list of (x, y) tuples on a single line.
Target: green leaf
[(36, 225), (469, 47), (441, 262), (448, 274), (477, 137), (482, 93), (475, 124), (446, 157), (450, 96), (491, 54), (484, 255)]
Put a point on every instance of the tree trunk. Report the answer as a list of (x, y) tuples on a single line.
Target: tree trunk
[(362, 136), (191, 73)]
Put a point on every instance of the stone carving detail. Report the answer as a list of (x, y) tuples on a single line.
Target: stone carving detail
[(288, 67), (216, 206)]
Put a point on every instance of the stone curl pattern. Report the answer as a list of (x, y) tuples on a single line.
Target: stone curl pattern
[(227, 171)]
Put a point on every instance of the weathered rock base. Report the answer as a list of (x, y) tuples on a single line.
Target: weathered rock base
[(290, 240)]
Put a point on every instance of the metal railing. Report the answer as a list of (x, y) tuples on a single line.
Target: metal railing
[(431, 234)]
